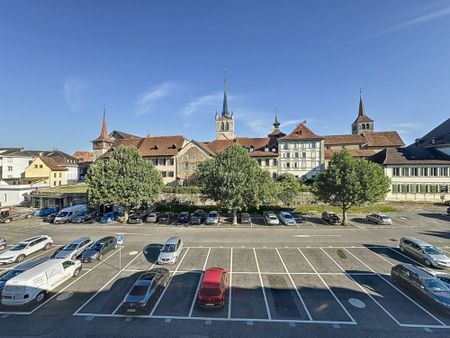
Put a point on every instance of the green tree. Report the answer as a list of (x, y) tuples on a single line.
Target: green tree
[(288, 188), (125, 179), (235, 181), (349, 182)]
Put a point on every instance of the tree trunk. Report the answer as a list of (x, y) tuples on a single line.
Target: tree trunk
[(344, 215), (235, 217), (125, 216)]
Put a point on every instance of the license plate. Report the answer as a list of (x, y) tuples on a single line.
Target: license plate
[(131, 310), (209, 304)]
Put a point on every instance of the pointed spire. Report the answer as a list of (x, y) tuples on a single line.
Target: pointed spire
[(104, 133), (361, 111), (276, 124), (225, 100)]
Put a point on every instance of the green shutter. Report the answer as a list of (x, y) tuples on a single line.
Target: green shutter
[(395, 188)]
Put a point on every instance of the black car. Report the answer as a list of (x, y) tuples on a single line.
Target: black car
[(145, 290), (50, 218), (298, 218), (138, 217), (99, 248), (244, 218), (89, 217), (197, 217), (422, 283), (183, 218), (164, 218), (331, 218)]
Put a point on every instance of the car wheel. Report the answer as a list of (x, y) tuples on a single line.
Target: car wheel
[(47, 246), (28, 216), (427, 262), (76, 273), (7, 221), (40, 297), (20, 258)]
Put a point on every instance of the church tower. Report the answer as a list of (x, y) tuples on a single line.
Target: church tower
[(225, 121), (102, 143), (363, 123)]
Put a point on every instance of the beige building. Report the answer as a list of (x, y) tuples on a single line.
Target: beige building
[(46, 170), (420, 171), (188, 158)]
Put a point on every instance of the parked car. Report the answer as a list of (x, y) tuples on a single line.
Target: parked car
[(25, 248), (17, 270), (89, 216), (298, 218), (170, 251), (66, 214), (423, 283), (75, 248), (244, 218), (424, 251), (3, 243), (183, 218), (286, 218), (46, 211), (57, 251), (164, 218), (109, 217), (448, 211), (152, 217), (379, 218), (271, 218), (331, 218), (138, 217), (211, 293), (9, 214), (197, 217), (212, 218), (147, 288), (35, 283), (50, 218), (99, 248)]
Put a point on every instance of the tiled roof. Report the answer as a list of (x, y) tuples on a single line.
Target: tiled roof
[(83, 156), (117, 134), (277, 132), (53, 163), (259, 145), (353, 152), (373, 139), (301, 132)]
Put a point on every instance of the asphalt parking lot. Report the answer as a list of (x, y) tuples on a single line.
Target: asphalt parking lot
[(294, 280)]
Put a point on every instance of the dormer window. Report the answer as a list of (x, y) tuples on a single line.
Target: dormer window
[(173, 146), (274, 149), (155, 147), (251, 149), (266, 149)]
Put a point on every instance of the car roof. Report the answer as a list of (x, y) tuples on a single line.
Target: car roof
[(417, 241), (38, 269), (212, 276), (423, 274), (104, 239), (173, 240), (79, 240), (27, 240), (31, 263)]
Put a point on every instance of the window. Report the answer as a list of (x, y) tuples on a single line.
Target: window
[(171, 162), (414, 171), (443, 188), (285, 146), (396, 172), (288, 165), (394, 188), (185, 165), (54, 175), (443, 171), (304, 155), (155, 161), (40, 166), (59, 175), (288, 155), (313, 154), (171, 174), (267, 163), (275, 161), (434, 171), (405, 171), (313, 145), (67, 264), (266, 149), (10, 168), (54, 183), (35, 166), (184, 157), (424, 171), (259, 162), (59, 182), (163, 173)]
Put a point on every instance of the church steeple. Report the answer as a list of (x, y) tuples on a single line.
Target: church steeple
[(225, 111), (276, 132), (104, 133), (225, 121), (363, 123), (361, 111), (276, 124), (102, 143)]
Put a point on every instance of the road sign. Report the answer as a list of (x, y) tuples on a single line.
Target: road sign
[(119, 239)]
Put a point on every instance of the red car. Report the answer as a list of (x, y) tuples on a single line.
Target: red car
[(212, 288)]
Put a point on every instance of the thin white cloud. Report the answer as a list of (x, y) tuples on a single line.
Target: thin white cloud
[(145, 102), (72, 93), (210, 100), (421, 19)]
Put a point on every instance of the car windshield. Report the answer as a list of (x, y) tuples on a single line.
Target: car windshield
[(138, 290), (384, 217), (97, 246), (210, 291), (435, 285), (10, 274), (288, 216), (70, 247), (168, 248), (212, 214), (151, 215), (63, 214), (18, 247), (431, 250)]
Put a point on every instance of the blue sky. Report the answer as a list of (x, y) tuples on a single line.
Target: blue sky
[(158, 67)]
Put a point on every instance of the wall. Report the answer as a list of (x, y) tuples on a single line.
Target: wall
[(11, 195), (37, 168), (188, 159), (18, 165), (58, 178)]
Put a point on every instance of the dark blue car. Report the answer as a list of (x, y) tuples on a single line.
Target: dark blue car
[(109, 217), (46, 211)]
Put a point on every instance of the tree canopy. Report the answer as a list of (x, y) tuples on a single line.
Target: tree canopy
[(235, 181), (125, 179), (349, 182), (288, 188)]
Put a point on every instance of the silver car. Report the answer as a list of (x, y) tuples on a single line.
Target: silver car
[(212, 218), (271, 218), (2, 243), (286, 218), (75, 248), (379, 218), (170, 251), (431, 255), (152, 217)]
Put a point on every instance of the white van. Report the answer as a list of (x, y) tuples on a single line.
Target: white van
[(66, 214), (35, 283)]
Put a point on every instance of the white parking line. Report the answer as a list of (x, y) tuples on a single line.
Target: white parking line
[(409, 258), (262, 285), (230, 283), (168, 284), (198, 285), (326, 285), (108, 282), (401, 292), (295, 287)]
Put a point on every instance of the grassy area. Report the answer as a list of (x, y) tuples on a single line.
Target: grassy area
[(65, 189), (366, 209)]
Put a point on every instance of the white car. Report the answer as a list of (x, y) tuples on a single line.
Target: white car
[(286, 218), (271, 218), (379, 219), (212, 218), (75, 248), (25, 248), (170, 251)]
